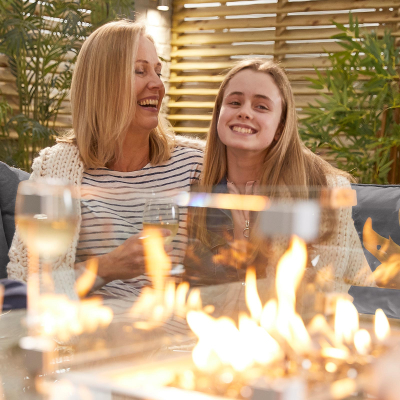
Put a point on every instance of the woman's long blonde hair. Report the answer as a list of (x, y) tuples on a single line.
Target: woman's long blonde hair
[(287, 162), (103, 98)]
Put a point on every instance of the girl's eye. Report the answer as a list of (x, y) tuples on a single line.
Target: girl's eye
[(261, 107), (234, 103), (159, 75), (139, 72)]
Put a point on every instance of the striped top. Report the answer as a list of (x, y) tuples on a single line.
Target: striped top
[(112, 211)]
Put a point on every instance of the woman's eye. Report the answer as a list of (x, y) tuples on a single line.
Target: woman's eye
[(261, 107), (234, 103), (159, 75), (139, 72)]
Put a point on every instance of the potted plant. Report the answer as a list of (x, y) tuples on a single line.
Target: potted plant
[(358, 123)]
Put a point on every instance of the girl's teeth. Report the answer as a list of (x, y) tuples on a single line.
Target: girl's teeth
[(242, 130)]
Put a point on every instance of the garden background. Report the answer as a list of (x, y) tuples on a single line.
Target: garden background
[(342, 58)]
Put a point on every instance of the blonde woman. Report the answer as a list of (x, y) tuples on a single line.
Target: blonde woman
[(119, 146), (253, 146)]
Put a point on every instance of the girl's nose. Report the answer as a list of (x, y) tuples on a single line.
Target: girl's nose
[(244, 112)]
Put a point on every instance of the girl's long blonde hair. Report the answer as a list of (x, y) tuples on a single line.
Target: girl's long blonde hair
[(289, 168), (287, 163), (103, 96)]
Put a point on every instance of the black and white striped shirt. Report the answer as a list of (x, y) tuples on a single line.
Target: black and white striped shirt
[(112, 210)]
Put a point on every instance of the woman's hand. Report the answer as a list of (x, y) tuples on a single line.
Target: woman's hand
[(127, 260)]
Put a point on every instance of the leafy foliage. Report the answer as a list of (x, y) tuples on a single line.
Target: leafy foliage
[(41, 41), (358, 122)]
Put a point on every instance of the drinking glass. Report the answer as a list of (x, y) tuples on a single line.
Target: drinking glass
[(161, 214), (46, 216)]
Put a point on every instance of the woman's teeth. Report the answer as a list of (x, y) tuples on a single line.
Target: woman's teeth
[(242, 130), (148, 102)]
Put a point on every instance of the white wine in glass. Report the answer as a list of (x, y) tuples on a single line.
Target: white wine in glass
[(161, 214), (46, 215)]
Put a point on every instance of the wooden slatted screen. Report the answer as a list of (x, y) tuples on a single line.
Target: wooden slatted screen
[(209, 36)]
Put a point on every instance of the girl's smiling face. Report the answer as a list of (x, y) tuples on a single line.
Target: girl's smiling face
[(250, 112)]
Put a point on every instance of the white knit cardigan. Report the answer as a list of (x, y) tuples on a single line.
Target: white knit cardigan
[(63, 161)]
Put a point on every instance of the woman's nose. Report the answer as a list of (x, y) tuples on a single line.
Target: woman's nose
[(155, 82)]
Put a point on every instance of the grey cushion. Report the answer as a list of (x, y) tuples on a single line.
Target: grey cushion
[(381, 203), (9, 180)]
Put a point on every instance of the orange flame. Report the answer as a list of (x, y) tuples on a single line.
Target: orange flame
[(343, 388), (63, 318), (290, 270), (158, 263), (362, 341), (252, 298), (86, 281), (381, 325), (380, 247), (387, 274), (346, 320), (268, 315), (240, 348)]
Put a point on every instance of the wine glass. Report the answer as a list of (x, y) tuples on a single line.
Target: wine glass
[(161, 214), (46, 216)]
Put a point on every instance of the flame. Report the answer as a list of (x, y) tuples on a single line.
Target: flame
[(343, 388), (290, 270), (346, 320), (382, 327), (180, 299), (380, 247), (252, 298), (158, 263), (86, 281), (268, 315), (63, 318), (362, 341), (155, 308), (318, 325), (387, 274), (194, 300), (332, 352), (262, 348), (240, 348)]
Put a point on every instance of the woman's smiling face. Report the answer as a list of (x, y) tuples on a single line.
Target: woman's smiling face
[(148, 86), (250, 112)]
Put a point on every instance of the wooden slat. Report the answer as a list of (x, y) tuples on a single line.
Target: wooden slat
[(6, 75), (179, 129), (184, 117), (221, 51), (191, 104), (200, 56), (287, 63), (193, 92), (199, 78), (298, 20), (232, 37), (297, 90), (290, 7)]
